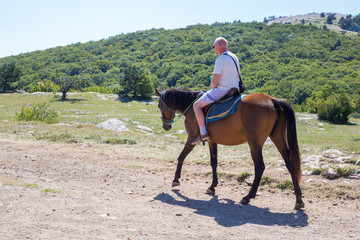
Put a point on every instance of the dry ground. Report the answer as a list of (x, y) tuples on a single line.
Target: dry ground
[(74, 191)]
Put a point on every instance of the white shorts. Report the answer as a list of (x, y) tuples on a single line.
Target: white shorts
[(213, 95)]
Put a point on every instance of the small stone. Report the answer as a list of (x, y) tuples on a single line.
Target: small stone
[(332, 153), (309, 180), (330, 174), (306, 173), (178, 214)]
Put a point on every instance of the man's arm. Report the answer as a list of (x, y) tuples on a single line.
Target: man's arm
[(215, 81)]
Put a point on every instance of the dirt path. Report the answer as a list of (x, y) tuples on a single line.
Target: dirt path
[(86, 192)]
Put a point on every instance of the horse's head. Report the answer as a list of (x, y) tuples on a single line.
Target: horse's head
[(167, 113)]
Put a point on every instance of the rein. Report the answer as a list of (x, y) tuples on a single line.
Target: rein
[(171, 121)]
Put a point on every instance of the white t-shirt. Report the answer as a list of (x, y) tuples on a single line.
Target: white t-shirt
[(225, 66)]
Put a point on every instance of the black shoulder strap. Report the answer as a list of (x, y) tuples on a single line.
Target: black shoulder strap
[(237, 69)]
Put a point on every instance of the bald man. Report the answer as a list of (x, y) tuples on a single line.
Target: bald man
[(225, 77)]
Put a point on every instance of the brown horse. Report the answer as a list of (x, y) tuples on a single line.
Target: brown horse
[(257, 117)]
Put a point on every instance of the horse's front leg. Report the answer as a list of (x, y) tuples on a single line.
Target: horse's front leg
[(187, 149), (256, 154), (213, 158)]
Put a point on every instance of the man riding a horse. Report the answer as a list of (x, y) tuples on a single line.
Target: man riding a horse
[(255, 118), (225, 76)]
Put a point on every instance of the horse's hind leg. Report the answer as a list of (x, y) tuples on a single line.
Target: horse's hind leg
[(213, 158), (256, 154), (284, 151), (187, 149)]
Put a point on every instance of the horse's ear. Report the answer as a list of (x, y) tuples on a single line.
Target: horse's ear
[(157, 92)]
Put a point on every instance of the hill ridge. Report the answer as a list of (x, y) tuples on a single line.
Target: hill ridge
[(315, 19)]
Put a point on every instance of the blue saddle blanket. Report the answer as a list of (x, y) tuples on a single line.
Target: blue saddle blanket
[(222, 109)]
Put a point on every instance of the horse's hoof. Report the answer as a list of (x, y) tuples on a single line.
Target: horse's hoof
[(210, 192), (244, 201), (174, 184), (299, 206)]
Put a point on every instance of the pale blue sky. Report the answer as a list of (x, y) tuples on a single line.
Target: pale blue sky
[(29, 25)]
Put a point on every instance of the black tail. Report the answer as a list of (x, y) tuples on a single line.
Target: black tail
[(294, 153)]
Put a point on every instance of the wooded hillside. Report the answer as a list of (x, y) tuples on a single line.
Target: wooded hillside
[(283, 60)]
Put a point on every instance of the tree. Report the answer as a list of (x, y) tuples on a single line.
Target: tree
[(9, 74), (331, 17), (345, 23), (66, 82), (136, 83), (146, 86), (130, 81)]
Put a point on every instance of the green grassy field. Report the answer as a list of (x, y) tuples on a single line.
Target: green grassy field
[(82, 111)]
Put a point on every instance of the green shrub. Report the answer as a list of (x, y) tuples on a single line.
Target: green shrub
[(285, 184), (242, 176), (317, 171), (43, 86), (344, 171), (265, 180), (336, 108), (39, 112)]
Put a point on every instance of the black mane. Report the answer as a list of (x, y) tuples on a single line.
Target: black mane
[(180, 99)]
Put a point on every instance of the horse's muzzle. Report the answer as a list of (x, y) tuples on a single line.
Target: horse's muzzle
[(167, 127)]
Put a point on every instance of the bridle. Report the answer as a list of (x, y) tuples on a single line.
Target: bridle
[(165, 120)]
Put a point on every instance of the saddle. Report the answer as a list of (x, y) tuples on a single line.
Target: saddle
[(224, 107)]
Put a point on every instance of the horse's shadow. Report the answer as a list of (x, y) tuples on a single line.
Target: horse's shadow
[(228, 214)]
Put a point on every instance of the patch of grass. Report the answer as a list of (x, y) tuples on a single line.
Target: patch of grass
[(342, 192), (344, 171), (120, 141), (50, 190), (353, 146), (95, 137), (225, 175), (242, 176), (57, 137), (317, 171), (350, 161), (7, 181), (265, 180), (285, 184)]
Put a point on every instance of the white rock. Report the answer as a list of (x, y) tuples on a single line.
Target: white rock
[(144, 129), (312, 161), (332, 153), (306, 173), (113, 124)]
